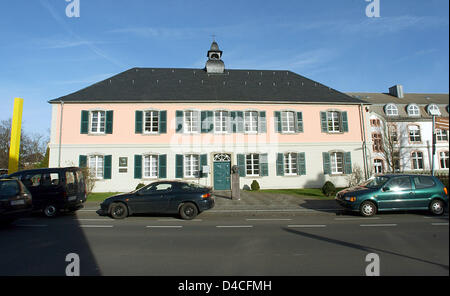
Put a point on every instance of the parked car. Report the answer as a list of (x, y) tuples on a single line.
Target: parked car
[(163, 197), (396, 192), (15, 200), (54, 189)]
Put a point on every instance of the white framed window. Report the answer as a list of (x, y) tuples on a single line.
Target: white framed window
[(413, 110), (414, 133), (191, 121), (391, 110), (290, 164), (334, 121), (441, 135), (252, 164), (191, 165), (288, 121), (417, 160), (337, 162), (251, 121), (378, 166), (444, 159), (220, 121), (433, 109), (98, 120), (151, 122), (150, 166), (96, 166)]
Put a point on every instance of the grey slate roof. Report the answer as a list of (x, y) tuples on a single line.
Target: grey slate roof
[(196, 85)]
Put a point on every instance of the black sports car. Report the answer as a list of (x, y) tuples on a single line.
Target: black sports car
[(163, 197)]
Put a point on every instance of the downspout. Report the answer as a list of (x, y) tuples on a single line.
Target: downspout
[(363, 124), (60, 134)]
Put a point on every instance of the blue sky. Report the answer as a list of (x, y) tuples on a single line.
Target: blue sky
[(45, 55)]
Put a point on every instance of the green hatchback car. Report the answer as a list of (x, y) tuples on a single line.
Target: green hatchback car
[(395, 192)]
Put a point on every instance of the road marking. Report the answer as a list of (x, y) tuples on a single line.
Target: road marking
[(177, 220), (268, 219), (165, 226), (234, 226), (96, 226), (110, 220), (279, 210), (439, 224), (378, 225), (350, 219), (306, 226)]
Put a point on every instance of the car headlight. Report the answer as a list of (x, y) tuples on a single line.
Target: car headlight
[(350, 198)]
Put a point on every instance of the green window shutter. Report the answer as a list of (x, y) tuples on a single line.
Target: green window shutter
[(162, 122), (277, 115), (344, 120), (203, 162), (204, 121), (179, 121), (301, 164), (299, 125), (138, 166), (138, 122), (262, 127), (162, 166), (347, 163), (233, 121), (241, 164), (107, 159), (82, 161), (263, 165), (210, 121), (280, 164), (179, 169), (326, 163), (109, 122), (84, 122), (324, 122)]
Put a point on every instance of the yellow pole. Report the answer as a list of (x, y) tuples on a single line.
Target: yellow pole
[(14, 148)]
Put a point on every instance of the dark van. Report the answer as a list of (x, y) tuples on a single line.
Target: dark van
[(54, 189)]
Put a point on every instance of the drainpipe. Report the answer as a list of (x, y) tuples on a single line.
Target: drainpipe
[(364, 140), (60, 134)]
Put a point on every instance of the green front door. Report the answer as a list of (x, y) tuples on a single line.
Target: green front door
[(222, 172)]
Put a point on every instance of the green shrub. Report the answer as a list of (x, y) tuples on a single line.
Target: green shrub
[(328, 189), (255, 185), (140, 185)]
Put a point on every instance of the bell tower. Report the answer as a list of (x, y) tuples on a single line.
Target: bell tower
[(214, 63)]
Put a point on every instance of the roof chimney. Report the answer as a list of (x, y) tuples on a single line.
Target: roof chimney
[(396, 91)]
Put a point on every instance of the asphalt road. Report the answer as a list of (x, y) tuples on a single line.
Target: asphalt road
[(228, 244)]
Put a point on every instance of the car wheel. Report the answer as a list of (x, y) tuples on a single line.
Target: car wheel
[(437, 207), (50, 210), (118, 210), (368, 209), (188, 211)]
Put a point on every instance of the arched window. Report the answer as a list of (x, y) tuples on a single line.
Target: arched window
[(391, 110), (413, 110), (433, 109)]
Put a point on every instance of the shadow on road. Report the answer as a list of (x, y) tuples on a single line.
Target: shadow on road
[(38, 246), (359, 247)]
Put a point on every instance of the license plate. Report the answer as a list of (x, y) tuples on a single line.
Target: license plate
[(17, 202), (72, 198)]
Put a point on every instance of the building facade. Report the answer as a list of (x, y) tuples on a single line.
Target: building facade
[(147, 124), (400, 131)]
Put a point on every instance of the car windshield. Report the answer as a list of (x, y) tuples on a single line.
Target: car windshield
[(376, 182)]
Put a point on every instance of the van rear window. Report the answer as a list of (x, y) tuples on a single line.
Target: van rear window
[(70, 178)]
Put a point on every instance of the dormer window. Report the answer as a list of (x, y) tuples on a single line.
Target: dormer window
[(433, 109), (413, 110), (391, 110)]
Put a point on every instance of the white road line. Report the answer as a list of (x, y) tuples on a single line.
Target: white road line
[(177, 220), (234, 226), (276, 210), (268, 219), (378, 225), (110, 220), (439, 224), (165, 226), (96, 226), (306, 226), (350, 219)]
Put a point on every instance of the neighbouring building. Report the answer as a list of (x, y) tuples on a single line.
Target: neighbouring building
[(400, 131), (146, 124)]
